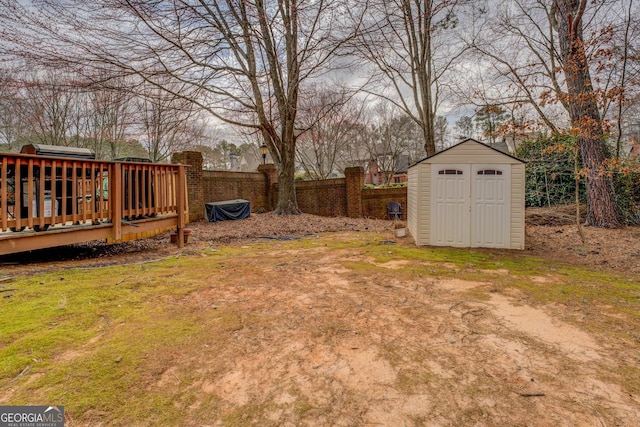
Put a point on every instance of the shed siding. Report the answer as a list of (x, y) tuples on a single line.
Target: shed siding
[(424, 208), (517, 206), (419, 202), (412, 201)]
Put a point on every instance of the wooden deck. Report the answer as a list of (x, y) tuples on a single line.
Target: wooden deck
[(54, 201)]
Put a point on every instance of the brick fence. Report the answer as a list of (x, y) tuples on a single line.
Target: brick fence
[(331, 197)]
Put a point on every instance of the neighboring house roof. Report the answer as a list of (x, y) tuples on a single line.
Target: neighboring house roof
[(249, 162), (467, 141), (402, 163), (501, 146)]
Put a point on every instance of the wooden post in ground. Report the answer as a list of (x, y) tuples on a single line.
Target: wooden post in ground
[(181, 195), (115, 199)]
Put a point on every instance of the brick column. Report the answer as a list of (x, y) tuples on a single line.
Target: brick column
[(355, 182), (271, 177), (195, 181)]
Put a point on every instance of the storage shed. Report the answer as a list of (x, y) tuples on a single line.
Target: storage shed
[(469, 195)]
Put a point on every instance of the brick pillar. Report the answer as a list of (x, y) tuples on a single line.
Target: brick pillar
[(271, 177), (195, 181), (355, 182)]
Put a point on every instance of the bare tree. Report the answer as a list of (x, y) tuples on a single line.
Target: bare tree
[(518, 60), (243, 61), (108, 118), (585, 116), (464, 127), (12, 127), (441, 132), (62, 108), (394, 136), (356, 153), (410, 44), (541, 55), (327, 117), (490, 119), (49, 108), (50, 102), (166, 122), (626, 51)]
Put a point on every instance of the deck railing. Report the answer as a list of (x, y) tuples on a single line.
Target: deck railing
[(38, 193)]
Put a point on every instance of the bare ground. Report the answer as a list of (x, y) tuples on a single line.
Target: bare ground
[(550, 233), (319, 344)]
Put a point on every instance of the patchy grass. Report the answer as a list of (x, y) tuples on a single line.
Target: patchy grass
[(412, 381), (565, 284), (110, 343), (88, 337)]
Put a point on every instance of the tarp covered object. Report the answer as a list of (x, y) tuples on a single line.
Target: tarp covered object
[(228, 209)]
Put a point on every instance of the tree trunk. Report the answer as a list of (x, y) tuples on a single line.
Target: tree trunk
[(585, 116), (287, 202), (428, 132), (426, 78)]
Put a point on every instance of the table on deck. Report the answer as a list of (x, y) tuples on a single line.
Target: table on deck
[(227, 210)]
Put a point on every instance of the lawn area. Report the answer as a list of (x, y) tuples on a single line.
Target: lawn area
[(345, 328)]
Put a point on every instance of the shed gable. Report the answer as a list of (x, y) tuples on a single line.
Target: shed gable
[(471, 151)]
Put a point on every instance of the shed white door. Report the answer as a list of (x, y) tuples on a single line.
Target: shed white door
[(450, 205), (470, 205), (490, 206)]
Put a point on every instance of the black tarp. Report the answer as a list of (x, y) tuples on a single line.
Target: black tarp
[(228, 209)]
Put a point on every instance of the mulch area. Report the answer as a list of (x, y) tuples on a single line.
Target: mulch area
[(553, 233)]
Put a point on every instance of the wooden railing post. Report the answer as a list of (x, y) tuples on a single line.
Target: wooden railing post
[(115, 199), (30, 192), (4, 195), (40, 193), (181, 194)]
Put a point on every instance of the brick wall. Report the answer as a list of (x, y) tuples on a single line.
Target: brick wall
[(222, 185), (193, 172), (374, 201), (325, 198), (331, 197), (354, 182)]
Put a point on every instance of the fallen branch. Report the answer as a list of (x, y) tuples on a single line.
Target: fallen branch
[(24, 372), (531, 394), (122, 280), (455, 305), (475, 312)]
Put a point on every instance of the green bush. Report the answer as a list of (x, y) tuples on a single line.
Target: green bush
[(627, 188), (550, 177)]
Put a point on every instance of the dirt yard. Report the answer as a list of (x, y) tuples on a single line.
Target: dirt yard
[(332, 337), (550, 233)]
